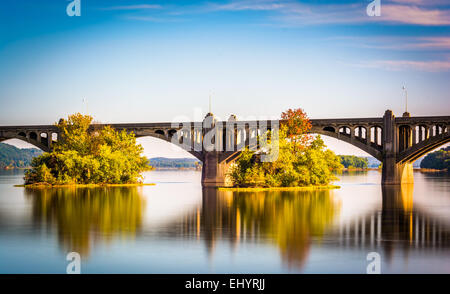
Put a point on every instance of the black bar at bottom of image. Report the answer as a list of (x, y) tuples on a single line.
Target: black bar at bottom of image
[(220, 283)]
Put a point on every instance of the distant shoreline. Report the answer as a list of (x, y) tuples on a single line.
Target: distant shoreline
[(48, 186), (424, 170), (13, 168), (261, 189), (177, 168), (360, 169), (430, 170)]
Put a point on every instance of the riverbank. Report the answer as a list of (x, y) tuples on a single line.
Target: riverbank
[(45, 185), (176, 168), (360, 169), (15, 167), (259, 189), (431, 170)]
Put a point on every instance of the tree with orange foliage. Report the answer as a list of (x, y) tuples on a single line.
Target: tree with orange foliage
[(302, 159), (296, 125)]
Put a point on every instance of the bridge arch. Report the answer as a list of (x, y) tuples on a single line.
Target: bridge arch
[(33, 136), (329, 129), (168, 138), (346, 131), (360, 133), (41, 137), (31, 142), (160, 132), (376, 135), (349, 137), (422, 147)]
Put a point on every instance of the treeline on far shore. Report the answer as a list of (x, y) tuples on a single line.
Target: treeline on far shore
[(175, 163), (12, 157), (437, 160), (352, 162)]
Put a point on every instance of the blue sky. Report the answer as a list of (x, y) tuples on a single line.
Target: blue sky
[(149, 61)]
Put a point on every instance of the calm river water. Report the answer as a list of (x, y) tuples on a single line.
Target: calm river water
[(175, 227)]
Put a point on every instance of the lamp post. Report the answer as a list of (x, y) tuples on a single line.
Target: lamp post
[(85, 103), (406, 113)]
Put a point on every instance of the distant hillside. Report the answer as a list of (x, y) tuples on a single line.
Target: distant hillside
[(13, 157), (359, 161), (437, 160), (374, 163), (352, 161), (163, 162)]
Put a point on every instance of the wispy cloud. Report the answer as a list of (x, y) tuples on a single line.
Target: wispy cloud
[(420, 2), (417, 12), (414, 15), (433, 42), (293, 13), (153, 19), (299, 14), (134, 7), (248, 5), (398, 65), (397, 42)]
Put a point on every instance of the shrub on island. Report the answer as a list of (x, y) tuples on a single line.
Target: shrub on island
[(302, 159), (84, 154)]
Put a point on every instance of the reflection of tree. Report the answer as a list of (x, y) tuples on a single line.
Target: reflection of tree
[(288, 218), (83, 214)]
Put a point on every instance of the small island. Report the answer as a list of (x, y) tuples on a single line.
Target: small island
[(303, 163), (88, 157)]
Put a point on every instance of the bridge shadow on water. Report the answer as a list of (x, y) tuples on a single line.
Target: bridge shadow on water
[(293, 221)]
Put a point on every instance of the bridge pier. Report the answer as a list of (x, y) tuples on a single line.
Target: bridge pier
[(393, 173), (214, 172), (396, 173)]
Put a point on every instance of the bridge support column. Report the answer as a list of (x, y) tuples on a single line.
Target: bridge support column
[(214, 172), (396, 173), (393, 173)]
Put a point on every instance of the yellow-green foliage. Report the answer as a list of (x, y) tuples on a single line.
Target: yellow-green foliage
[(297, 165), (290, 219), (89, 156), (78, 212)]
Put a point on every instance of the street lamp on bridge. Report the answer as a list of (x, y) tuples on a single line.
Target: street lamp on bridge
[(406, 113)]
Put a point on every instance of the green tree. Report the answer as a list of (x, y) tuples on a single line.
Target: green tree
[(13, 157), (302, 160), (86, 155), (351, 161), (437, 160)]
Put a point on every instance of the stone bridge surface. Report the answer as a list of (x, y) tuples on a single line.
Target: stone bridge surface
[(396, 142)]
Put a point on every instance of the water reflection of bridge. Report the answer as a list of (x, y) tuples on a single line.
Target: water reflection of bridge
[(398, 223)]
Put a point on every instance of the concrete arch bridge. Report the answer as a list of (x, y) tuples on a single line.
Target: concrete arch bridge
[(395, 141)]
